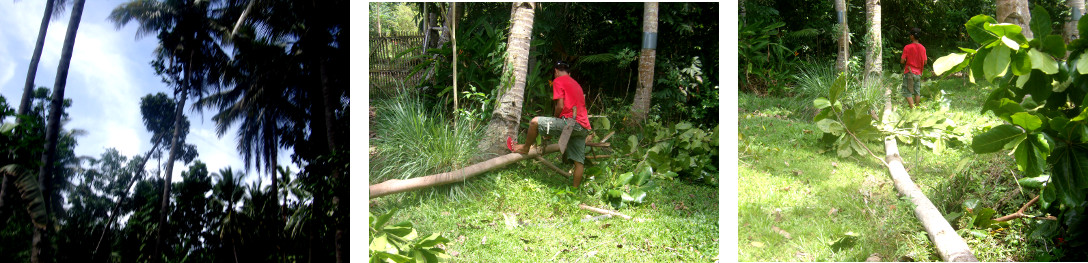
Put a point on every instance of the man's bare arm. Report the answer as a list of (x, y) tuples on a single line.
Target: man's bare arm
[(558, 108)]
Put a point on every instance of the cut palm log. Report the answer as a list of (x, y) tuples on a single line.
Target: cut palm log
[(603, 211), (598, 156), (398, 186), (949, 244), (599, 144)]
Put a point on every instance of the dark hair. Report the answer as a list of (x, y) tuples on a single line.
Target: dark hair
[(562, 65), (915, 32)]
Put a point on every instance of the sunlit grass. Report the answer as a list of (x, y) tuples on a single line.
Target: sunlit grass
[(785, 174)]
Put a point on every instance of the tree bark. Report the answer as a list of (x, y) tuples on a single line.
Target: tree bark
[(1015, 12), (874, 50), (1077, 11), (56, 109), (844, 37), (394, 186), (950, 246), (28, 87), (507, 114), (646, 59)]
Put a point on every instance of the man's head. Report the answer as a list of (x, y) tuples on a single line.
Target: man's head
[(915, 33), (561, 68)]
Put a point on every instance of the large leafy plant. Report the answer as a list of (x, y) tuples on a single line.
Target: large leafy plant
[(846, 128), (1041, 97), (683, 150), (402, 243), (628, 188)]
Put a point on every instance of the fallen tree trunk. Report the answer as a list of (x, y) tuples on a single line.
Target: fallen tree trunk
[(398, 186), (949, 244)]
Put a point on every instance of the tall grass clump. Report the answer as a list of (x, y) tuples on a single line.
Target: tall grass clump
[(814, 79), (411, 141)]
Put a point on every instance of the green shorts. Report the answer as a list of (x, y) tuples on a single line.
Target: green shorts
[(912, 85), (576, 146)]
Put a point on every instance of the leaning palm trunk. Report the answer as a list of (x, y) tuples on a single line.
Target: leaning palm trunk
[(52, 131), (28, 87), (507, 114), (168, 176), (641, 106), (117, 207)]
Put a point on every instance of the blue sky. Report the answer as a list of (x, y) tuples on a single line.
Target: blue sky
[(109, 73)]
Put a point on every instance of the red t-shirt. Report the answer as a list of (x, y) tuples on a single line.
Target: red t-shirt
[(915, 54), (567, 89)]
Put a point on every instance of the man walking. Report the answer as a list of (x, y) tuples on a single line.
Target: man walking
[(913, 59), (570, 103)]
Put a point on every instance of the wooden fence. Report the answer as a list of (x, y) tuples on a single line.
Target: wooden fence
[(386, 69)]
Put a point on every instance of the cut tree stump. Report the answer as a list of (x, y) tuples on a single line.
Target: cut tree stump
[(398, 186), (949, 244)]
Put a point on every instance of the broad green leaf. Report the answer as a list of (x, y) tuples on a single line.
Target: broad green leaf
[(1038, 86), (632, 141), (643, 175), (821, 103), (1034, 182), (968, 50), (1069, 172), (1040, 21), (623, 179), (830, 126), (985, 217), (1082, 25), (637, 195), (626, 197), (978, 63), (837, 88), (1082, 63), (1042, 62), (844, 148), (1031, 155), (971, 204), (1053, 45), (380, 243), (996, 62), (683, 126), (945, 63), (432, 240), (403, 230), (26, 182), (995, 139), (1021, 64), (1010, 43), (975, 28), (1026, 120), (383, 219)]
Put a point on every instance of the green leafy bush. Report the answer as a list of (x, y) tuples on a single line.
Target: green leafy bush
[(402, 243), (1041, 97), (683, 150)]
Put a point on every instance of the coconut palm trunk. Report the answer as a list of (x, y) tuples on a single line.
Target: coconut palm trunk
[(1070, 30), (507, 114), (844, 37), (28, 87), (168, 176), (1015, 12), (874, 49), (38, 253), (646, 61)]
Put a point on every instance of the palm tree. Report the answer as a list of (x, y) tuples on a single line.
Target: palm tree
[(874, 49), (507, 116), (52, 131), (844, 37), (188, 53), (646, 59), (53, 9), (229, 189)]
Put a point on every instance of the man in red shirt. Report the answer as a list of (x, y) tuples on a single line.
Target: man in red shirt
[(913, 59), (570, 103)]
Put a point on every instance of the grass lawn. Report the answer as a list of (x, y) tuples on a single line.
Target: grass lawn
[(797, 198), (526, 212)]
